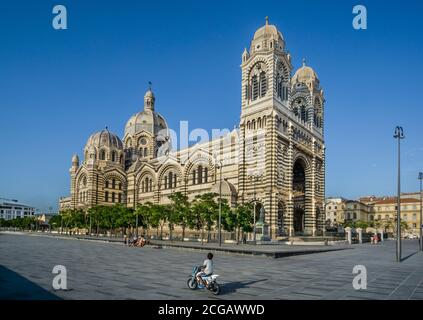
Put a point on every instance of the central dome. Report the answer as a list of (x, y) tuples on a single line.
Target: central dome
[(147, 120)]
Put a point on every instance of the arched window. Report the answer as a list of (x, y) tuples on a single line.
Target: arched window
[(142, 186), (151, 185), (145, 152), (165, 182), (102, 155), (303, 113), (279, 87), (121, 159), (113, 183), (107, 183), (263, 84), (120, 198), (170, 179), (113, 156), (206, 171), (259, 123), (194, 181), (113, 197), (174, 180), (106, 196), (255, 88), (200, 175)]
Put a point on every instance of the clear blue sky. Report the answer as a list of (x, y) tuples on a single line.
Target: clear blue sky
[(58, 87)]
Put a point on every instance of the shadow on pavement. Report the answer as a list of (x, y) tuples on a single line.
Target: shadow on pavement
[(15, 287), (232, 287), (409, 256)]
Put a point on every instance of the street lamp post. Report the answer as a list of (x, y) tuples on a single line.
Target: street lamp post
[(254, 208), (399, 134), (90, 226), (421, 223), (220, 203), (136, 224)]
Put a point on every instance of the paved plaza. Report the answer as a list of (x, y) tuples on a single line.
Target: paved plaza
[(99, 270)]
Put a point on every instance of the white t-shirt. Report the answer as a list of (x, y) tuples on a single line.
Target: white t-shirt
[(209, 266)]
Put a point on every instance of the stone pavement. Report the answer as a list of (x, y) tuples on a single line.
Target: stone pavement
[(98, 270)]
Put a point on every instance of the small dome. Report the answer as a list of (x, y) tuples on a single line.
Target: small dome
[(104, 138), (305, 75), (268, 31), (265, 35)]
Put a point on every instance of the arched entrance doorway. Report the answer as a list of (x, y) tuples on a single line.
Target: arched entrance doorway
[(299, 189), (299, 218)]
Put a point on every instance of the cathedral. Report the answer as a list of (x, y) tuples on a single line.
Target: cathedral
[(274, 158)]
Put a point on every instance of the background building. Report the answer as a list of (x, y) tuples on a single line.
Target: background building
[(276, 157), (12, 209), (380, 212)]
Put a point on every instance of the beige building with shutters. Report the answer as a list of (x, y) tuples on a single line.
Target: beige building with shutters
[(276, 156)]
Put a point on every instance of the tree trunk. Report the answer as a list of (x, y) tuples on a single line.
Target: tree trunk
[(202, 235), (183, 233)]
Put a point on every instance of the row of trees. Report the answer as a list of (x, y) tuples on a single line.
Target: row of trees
[(25, 223), (201, 215), (385, 224)]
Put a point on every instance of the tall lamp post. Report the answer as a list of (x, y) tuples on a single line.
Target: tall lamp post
[(255, 178), (220, 203), (399, 134), (136, 224), (421, 223)]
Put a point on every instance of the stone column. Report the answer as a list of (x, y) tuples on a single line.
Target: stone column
[(348, 235), (360, 235)]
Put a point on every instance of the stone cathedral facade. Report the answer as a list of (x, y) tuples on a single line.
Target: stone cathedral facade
[(276, 157)]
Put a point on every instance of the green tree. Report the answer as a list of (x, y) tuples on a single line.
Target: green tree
[(95, 214), (55, 221), (145, 216), (245, 218), (180, 212), (196, 222), (206, 210), (229, 217), (125, 217)]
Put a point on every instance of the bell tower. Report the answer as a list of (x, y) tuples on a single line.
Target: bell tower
[(266, 74)]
